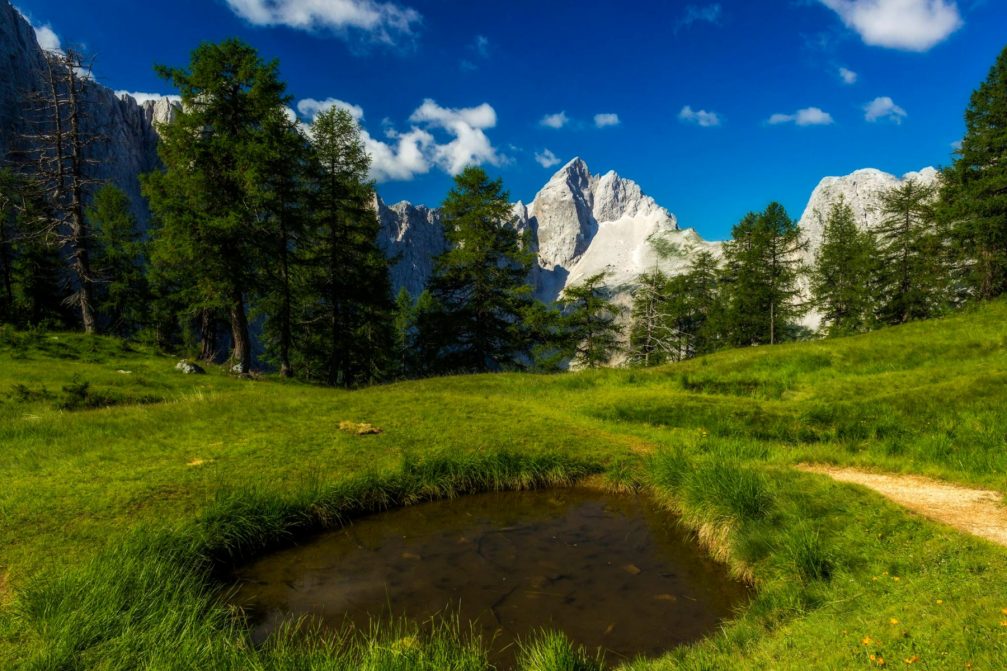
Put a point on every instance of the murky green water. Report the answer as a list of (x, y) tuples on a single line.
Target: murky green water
[(611, 571)]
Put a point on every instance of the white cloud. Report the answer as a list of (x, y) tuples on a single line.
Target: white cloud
[(699, 13), (848, 76), (605, 120), (44, 34), (883, 108), (699, 117), (417, 151), (911, 25), (384, 22), (470, 145), (557, 120), (547, 159), (142, 98), (809, 116), (311, 108)]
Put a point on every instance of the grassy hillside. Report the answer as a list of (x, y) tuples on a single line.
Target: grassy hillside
[(127, 486)]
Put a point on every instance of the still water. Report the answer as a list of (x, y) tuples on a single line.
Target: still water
[(611, 571)]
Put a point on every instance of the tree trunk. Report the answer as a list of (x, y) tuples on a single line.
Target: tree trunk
[(207, 336), (79, 241), (286, 370), (241, 353)]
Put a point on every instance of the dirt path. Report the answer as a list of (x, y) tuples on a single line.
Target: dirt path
[(975, 511)]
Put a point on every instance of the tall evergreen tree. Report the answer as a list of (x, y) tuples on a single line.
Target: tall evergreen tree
[(589, 318), (347, 306), (974, 193), (761, 277), (282, 184), (841, 277), (207, 225), (911, 280), (119, 262), (480, 284)]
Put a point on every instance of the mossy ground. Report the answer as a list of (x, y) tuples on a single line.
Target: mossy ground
[(121, 498)]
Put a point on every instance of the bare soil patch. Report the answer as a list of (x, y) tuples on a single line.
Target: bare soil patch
[(976, 511)]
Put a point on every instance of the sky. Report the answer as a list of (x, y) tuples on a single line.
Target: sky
[(714, 108)]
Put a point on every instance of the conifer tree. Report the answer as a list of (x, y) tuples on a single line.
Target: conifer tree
[(761, 277), (346, 309), (207, 226), (589, 318), (480, 283), (974, 192), (841, 278), (119, 262), (911, 279), (653, 338)]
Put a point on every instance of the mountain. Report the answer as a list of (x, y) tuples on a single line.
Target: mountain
[(128, 139), (862, 191), (580, 224)]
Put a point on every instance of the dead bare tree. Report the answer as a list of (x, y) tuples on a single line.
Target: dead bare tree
[(59, 146)]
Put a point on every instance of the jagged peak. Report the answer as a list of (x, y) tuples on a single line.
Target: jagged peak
[(574, 167)]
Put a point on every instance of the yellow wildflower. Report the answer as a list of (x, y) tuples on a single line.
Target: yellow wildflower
[(893, 621), (939, 601), (867, 640)]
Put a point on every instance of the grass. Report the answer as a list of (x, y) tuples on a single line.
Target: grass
[(128, 489)]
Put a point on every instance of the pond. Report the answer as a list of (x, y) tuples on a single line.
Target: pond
[(610, 571)]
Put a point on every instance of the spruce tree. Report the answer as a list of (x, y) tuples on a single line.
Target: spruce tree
[(841, 277), (207, 226), (911, 280), (480, 283), (589, 318), (974, 193), (761, 278), (119, 263)]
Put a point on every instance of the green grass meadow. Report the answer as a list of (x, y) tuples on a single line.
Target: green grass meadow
[(128, 489)]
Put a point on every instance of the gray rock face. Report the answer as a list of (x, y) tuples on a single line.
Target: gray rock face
[(580, 224), (862, 191), (411, 235), (128, 145)]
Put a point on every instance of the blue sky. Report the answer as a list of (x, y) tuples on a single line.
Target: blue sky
[(715, 108)]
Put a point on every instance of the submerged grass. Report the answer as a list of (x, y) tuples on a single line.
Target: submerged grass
[(118, 520)]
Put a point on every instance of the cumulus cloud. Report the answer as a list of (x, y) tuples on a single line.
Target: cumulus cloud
[(605, 120), (384, 22), (848, 76), (142, 98), (547, 159), (557, 120), (882, 109), (809, 116), (699, 14), (311, 108), (910, 25), (699, 117), (406, 154)]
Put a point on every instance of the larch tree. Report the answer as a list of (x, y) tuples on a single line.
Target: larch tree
[(974, 188), (841, 277), (207, 225), (480, 283), (589, 319), (911, 279), (347, 301), (762, 269)]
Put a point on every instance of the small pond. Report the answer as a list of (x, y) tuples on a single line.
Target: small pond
[(611, 571)]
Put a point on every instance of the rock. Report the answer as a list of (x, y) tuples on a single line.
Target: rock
[(128, 145), (189, 368)]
